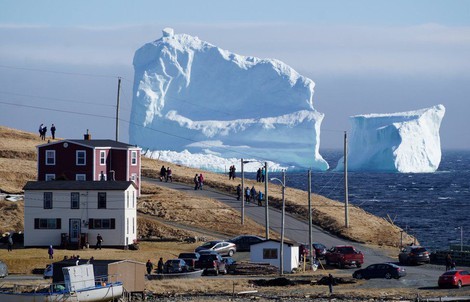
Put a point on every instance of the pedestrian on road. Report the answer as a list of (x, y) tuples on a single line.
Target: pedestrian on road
[(149, 266), (247, 194), (196, 182), (169, 175), (260, 198), (201, 181), (50, 252), (253, 194), (239, 191), (162, 173), (448, 262), (10, 243), (160, 266)]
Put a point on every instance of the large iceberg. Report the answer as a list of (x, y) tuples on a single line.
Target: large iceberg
[(405, 142), (191, 95)]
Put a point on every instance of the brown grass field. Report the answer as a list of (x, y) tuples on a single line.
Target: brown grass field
[(172, 215)]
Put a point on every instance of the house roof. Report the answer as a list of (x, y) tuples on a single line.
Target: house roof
[(94, 143), (78, 185), (289, 243)]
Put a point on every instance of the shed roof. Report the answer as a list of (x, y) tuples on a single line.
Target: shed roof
[(289, 243)]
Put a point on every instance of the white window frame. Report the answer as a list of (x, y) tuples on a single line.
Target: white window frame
[(134, 158), (52, 153), (77, 157), (102, 157), (49, 177), (80, 177)]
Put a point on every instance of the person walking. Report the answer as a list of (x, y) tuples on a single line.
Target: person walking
[(253, 194), (162, 173), (10, 243), (53, 131), (448, 262), (99, 240), (331, 282), (149, 266), (40, 130), (196, 182), (263, 174), (201, 181), (247, 195), (160, 266), (50, 252), (169, 175), (239, 191), (258, 175), (260, 198)]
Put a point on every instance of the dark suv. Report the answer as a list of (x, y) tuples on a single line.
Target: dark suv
[(320, 250), (211, 263), (190, 258), (413, 254)]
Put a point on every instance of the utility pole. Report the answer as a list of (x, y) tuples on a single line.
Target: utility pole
[(310, 235), (266, 203), (117, 109), (346, 201), (243, 195), (283, 214)]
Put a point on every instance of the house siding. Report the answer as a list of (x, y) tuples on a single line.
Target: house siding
[(116, 208)]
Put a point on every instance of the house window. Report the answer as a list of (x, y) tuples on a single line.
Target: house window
[(133, 177), (133, 199), (102, 158), (101, 200), (133, 158), (108, 223), (81, 158), (50, 157), (50, 177), (269, 253), (127, 197), (75, 200), (81, 177), (47, 223), (47, 200)]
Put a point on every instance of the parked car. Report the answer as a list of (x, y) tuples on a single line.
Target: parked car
[(175, 266), (380, 270), (320, 250), (230, 264), (343, 255), (190, 258), (413, 254), (456, 278), (221, 247), (243, 242), (3, 269), (211, 263), (48, 272)]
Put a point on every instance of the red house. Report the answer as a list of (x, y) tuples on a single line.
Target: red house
[(87, 159)]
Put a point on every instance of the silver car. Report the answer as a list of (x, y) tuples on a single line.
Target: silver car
[(3, 269), (221, 247)]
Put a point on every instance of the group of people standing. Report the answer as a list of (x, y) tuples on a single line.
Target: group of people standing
[(250, 194), (231, 172), (149, 266), (43, 131), (166, 174), (198, 181)]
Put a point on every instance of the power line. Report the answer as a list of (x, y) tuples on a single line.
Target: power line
[(60, 72)]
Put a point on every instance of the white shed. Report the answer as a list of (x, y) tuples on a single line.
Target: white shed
[(269, 252)]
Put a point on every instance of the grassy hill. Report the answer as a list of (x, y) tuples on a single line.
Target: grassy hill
[(168, 213)]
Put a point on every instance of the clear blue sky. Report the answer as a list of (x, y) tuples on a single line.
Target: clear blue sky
[(59, 59)]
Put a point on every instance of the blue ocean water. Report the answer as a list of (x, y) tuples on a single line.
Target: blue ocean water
[(430, 206)]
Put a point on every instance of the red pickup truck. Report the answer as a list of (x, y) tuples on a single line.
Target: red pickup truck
[(343, 255)]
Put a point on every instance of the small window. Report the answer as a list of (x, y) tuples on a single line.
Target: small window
[(133, 177), (47, 223), (50, 177), (75, 200), (47, 200), (81, 177), (81, 158), (50, 157), (101, 200), (109, 223), (133, 158), (102, 158), (269, 253)]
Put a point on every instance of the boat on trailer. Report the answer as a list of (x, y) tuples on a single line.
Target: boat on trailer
[(79, 285)]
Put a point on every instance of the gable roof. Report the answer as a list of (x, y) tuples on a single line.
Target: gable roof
[(94, 143), (78, 185)]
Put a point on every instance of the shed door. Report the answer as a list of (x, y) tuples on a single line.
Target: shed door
[(74, 230)]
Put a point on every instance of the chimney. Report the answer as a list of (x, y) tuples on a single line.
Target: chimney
[(111, 175), (87, 136)]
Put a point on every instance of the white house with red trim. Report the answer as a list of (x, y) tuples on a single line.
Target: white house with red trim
[(77, 211)]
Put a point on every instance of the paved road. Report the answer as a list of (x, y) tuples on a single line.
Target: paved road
[(297, 230)]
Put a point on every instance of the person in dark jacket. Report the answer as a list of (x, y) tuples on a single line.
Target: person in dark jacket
[(99, 240), (149, 266), (239, 192), (53, 131), (160, 266), (331, 282), (50, 252)]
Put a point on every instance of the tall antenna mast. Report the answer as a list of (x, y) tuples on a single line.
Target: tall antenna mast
[(117, 109)]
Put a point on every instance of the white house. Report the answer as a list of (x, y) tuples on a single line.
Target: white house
[(269, 252), (75, 212)]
